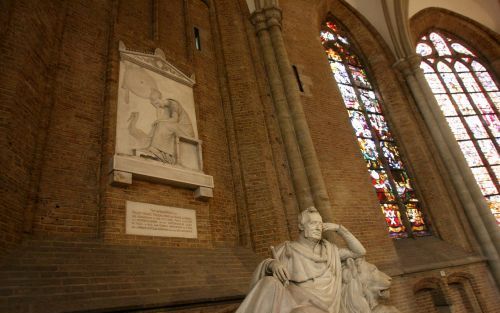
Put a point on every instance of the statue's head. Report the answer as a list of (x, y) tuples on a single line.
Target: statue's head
[(155, 97), (311, 224)]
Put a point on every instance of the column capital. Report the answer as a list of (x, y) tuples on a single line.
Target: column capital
[(266, 18), (409, 65), (258, 19), (273, 15)]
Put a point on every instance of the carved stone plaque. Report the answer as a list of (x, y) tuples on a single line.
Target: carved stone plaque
[(156, 220)]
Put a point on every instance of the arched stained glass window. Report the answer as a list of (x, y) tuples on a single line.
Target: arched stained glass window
[(394, 187), (469, 97)]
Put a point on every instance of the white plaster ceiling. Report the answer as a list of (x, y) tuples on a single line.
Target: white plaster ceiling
[(485, 12)]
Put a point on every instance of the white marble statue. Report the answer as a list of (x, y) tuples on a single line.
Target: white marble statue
[(304, 276), (313, 275)]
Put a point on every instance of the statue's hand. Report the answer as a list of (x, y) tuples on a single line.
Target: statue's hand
[(330, 226), (279, 271)]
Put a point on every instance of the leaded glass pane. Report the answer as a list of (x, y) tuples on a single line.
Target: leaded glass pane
[(460, 49), (493, 124), (393, 220), (457, 128), (403, 185), (439, 44), (496, 170), (443, 68), (482, 103), (476, 66), (359, 77), (352, 60), (333, 56), (494, 204), (470, 153), (495, 98), (350, 99), (382, 185), (380, 126), (469, 82), (424, 49), (369, 101), (478, 130), (339, 72), (434, 83), (460, 67), (426, 68), (359, 124), (463, 104), (486, 81), (391, 154), (343, 40), (326, 36), (446, 105), (370, 153), (489, 151), (484, 180), (415, 217), (450, 80)]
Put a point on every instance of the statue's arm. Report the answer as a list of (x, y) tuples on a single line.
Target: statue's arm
[(355, 248)]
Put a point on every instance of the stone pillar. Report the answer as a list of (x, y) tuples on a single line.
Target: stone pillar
[(297, 168), (461, 176), (272, 16)]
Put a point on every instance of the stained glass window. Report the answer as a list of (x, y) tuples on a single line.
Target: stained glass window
[(393, 185), (468, 95)]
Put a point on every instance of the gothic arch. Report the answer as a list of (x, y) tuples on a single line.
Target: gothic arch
[(433, 288), (406, 123), (484, 40), (428, 283), (467, 284)]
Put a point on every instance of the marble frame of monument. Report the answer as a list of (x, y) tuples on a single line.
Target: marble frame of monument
[(156, 129)]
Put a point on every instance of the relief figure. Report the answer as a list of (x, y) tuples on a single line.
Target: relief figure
[(171, 122)]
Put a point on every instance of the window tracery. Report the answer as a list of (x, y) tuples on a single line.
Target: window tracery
[(394, 186), (469, 98)]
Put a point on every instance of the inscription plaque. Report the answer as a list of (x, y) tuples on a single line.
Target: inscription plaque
[(157, 220)]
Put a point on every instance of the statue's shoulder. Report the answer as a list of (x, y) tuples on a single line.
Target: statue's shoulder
[(283, 245)]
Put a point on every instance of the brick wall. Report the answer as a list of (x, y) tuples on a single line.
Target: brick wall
[(58, 101), (29, 40), (68, 190)]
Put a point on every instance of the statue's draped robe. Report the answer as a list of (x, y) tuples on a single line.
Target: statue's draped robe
[(315, 281)]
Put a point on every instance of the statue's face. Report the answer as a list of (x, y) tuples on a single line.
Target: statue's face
[(313, 228)]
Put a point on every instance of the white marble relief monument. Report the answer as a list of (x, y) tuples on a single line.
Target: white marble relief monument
[(156, 131)]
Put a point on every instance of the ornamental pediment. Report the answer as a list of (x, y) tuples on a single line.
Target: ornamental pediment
[(157, 63)]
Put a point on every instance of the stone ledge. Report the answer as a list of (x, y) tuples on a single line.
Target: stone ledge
[(123, 169), (430, 253)]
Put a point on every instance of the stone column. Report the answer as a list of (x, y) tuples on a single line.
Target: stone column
[(297, 168), (461, 176), (308, 153)]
